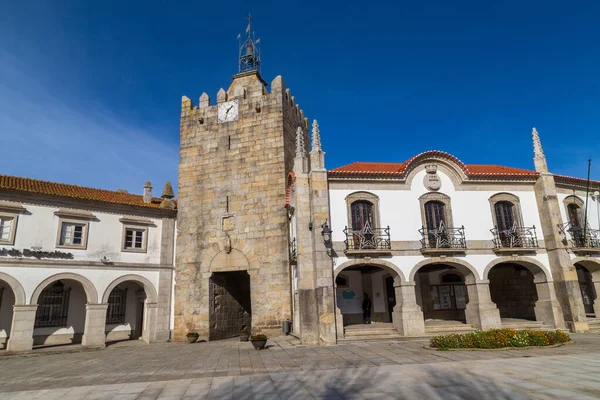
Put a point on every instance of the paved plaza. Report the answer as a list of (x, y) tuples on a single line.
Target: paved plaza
[(232, 370)]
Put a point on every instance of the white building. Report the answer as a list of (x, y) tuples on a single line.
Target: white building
[(83, 265), (440, 245)]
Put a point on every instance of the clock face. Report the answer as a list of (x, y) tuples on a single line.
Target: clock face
[(228, 111)]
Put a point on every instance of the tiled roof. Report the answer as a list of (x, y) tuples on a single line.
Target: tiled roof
[(372, 168), (473, 171), (18, 184), (401, 169), (478, 169)]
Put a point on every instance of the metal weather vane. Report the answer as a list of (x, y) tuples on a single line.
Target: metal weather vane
[(249, 52)]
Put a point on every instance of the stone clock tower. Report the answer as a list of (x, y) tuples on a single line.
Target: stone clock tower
[(233, 267)]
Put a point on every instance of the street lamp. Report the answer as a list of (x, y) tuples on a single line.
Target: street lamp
[(326, 232)]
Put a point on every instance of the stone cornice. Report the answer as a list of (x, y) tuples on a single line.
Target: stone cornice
[(33, 263)]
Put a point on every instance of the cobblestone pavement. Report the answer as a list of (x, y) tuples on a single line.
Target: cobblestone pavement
[(233, 370)]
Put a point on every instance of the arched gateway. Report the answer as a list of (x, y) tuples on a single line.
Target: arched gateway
[(392, 298)]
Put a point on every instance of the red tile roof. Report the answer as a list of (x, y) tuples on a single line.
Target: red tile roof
[(401, 169), (473, 171), (18, 184)]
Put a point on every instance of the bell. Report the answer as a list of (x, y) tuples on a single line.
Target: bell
[(249, 50)]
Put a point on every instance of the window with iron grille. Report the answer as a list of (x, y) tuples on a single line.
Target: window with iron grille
[(53, 306), (117, 304)]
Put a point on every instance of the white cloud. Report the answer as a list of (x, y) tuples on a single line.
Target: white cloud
[(45, 137)]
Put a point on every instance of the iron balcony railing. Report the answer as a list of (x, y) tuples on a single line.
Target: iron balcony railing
[(515, 237), (584, 240), (293, 251), (443, 237), (368, 238)]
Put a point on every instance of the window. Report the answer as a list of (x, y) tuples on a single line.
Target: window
[(117, 304), (363, 207), (135, 239), (506, 211), (505, 217), (362, 213), (6, 227), (435, 210), (53, 306), (451, 294), (434, 214), (574, 215), (71, 234)]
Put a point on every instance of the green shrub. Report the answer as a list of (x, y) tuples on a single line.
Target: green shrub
[(499, 338), (259, 336)]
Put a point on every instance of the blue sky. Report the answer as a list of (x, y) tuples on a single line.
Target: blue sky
[(90, 91)]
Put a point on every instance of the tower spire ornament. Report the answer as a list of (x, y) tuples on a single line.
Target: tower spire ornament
[(249, 52), (316, 136), (300, 143), (539, 159)]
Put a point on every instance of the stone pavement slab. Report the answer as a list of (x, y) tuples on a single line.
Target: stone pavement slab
[(230, 369)]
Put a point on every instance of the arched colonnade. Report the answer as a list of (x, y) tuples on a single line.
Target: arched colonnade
[(68, 308), (447, 289)]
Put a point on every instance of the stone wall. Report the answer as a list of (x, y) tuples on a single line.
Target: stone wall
[(513, 291), (232, 196)]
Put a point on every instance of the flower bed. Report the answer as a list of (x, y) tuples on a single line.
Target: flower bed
[(499, 338)]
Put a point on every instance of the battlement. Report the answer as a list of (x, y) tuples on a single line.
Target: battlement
[(245, 86)]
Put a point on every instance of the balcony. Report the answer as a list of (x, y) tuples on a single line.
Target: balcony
[(293, 252), (584, 241), (443, 240), (368, 241), (518, 239)]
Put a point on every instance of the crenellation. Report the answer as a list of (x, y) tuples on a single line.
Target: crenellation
[(204, 100), (221, 95)]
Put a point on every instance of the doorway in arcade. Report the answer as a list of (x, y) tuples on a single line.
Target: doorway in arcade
[(354, 282)]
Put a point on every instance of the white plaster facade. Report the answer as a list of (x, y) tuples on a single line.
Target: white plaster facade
[(396, 199), (28, 265)]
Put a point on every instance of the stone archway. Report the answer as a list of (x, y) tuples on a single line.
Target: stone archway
[(444, 289), (522, 290), (230, 308), (588, 275), (62, 316), (11, 294), (132, 305), (88, 287), (354, 278)]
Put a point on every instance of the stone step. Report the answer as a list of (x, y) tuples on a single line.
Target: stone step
[(372, 338), (370, 333), (448, 328)]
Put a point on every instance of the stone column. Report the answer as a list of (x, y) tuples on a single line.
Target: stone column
[(481, 311), (339, 322), (21, 331), (95, 325), (149, 328), (163, 317), (547, 307), (596, 283), (407, 315)]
